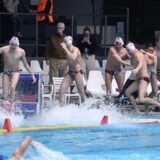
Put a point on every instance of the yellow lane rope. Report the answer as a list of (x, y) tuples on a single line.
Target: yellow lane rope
[(49, 127), (77, 126)]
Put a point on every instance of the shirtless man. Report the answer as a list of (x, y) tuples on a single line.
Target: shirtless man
[(151, 59), (113, 65), (75, 71), (157, 53), (12, 55), (140, 74), (151, 66)]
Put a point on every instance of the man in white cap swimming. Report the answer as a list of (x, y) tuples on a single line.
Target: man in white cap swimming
[(12, 55), (75, 71), (141, 77), (113, 66)]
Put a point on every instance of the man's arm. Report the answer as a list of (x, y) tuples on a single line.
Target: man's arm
[(154, 58), (118, 58), (2, 49), (18, 153), (72, 55), (27, 66)]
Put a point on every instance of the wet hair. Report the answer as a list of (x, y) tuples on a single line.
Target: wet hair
[(149, 45), (157, 37), (86, 29)]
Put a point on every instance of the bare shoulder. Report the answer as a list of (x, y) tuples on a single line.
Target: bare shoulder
[(4, 48), (76, 50), (112, 49), (139, 55), (21, 51)]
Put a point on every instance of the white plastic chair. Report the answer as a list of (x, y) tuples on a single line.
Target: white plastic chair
[(48, 95), (104, 61), (45, 67), (22, 68), (35, 66), (45, 75), (56, 85), (96, 83), (97, 65), (74, 94)]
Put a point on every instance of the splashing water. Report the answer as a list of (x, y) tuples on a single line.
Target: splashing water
[(90, 112), (46, 154)]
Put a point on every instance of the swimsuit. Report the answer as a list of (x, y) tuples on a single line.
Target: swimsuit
[(73, 73), (145, 79), (10, 73), (112, 72)]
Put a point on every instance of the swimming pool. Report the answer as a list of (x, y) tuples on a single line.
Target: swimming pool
[(111, 142), (118, 140)]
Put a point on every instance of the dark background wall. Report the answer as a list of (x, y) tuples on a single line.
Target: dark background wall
[(144, 15)]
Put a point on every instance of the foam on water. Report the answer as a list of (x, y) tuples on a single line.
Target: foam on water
[(90, 112), (47, 154)]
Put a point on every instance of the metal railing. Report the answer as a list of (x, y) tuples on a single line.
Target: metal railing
[(73, 25)]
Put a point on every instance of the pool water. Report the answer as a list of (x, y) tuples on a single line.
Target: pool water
[(110, 142), (116, 141)]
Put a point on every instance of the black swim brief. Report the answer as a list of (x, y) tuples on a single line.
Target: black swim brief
[(145, 79), (10, 73), (73, 73), (112, 72)]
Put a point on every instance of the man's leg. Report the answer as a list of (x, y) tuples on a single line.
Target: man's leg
[(129, 91), (83, 66), (108, 82), (154, 85), (14, 81), (64, 86), (120, 80), (6, 84), (142, 94), (80, 85), (18, 153)]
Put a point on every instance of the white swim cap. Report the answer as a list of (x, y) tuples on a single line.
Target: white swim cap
[(119, 40), (130, 46), (14, 40), (68, 40)]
